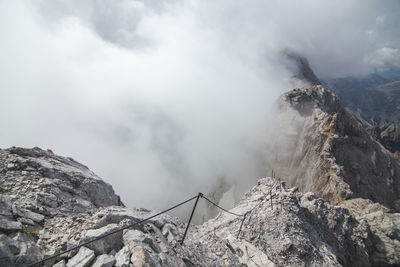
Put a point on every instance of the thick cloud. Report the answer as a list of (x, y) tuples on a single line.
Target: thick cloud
[(167, 98)]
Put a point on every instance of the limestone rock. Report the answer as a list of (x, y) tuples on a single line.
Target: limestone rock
[(385, 227), (7, 225), (123, 257), (82, 259), (43, 199), (104, 245), (299, 231), (104, 260), (324, 150), (60, 264)]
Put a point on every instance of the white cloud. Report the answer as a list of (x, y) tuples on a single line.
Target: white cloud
[(384, 58)]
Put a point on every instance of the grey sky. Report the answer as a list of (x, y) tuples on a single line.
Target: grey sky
[(160, 98)]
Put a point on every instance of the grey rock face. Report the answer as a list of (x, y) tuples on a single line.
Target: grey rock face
[(123, 257), (385, 227), (298, 230), (60, 264), (300, 67), (328, 152), (8, 226), (105, 245), (82, 259), (324, 150), (104, 260), (40, 195)]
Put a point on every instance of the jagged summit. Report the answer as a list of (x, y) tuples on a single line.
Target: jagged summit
[(305, 100), (300, 68), (322, 149)]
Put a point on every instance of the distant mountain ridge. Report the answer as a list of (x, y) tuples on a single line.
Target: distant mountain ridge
[(372, 99)]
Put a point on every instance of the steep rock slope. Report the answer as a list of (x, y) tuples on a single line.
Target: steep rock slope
[(319, 147), (37, 185), (297, 230), (300, 66), (384, 226)]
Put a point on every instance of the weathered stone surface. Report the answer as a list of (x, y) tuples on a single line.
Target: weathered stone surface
[(82, 259), (123, 257), (27, 214), (5, 206), (7, 225), (300, 230), (320, 148), (141, 257), (385, 227), (104, 260), (104, 245), (45, 197), (60, 264)]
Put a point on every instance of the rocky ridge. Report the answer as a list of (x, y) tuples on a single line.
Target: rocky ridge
[(323, 149), (297, 230), (320, 148)]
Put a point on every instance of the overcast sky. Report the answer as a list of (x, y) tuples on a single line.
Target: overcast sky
[(162, 97)]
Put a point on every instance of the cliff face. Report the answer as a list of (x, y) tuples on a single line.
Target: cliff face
[(321, 148), (50, 203)]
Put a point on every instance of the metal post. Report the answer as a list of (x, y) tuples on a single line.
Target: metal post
[(240, 229), (191, 216), (270, 193), (280, 185)]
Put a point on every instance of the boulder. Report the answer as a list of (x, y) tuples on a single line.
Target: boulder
[(104, 260), (82, 259), (8, 225), (123, 257), (104, 245), (60, 264)]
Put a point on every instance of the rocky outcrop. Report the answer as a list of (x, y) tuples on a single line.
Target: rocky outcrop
[(319, 147), (41, 194), (296, 230), (300, 68), (385, 228)]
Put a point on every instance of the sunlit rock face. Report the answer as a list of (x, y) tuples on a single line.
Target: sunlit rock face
[(320, 148)]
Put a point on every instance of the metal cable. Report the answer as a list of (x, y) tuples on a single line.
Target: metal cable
[(146, 219), (113, 232), (239, 215)]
